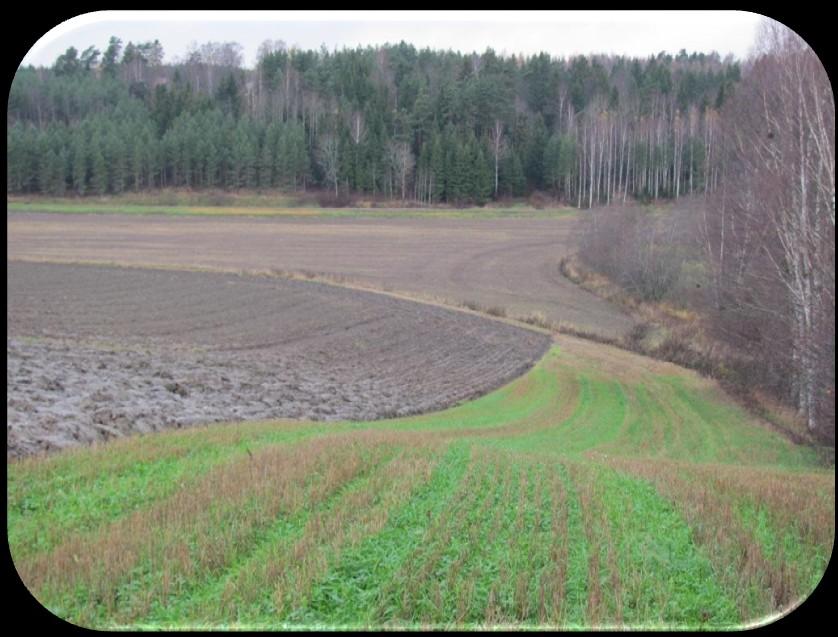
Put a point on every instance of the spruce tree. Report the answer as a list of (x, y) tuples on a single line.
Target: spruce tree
[(438, 168), (211, 166), (79, 165), (15, 157), (98, 169), (536, 143), (116, 163), (282, 169), (266, 164), (60, 173), (45, 172), (137, 163), (552, 163), (483, 179)]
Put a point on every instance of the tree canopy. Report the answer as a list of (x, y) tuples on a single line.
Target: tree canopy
[(416, 124)]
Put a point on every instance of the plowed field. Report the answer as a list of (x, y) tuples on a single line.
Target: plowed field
[(98, 352)]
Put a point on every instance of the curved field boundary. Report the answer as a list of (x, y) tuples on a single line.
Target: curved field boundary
[(100, 352), (339, 281), (505, 264)]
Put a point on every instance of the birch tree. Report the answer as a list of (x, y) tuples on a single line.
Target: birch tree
[(328, 158), (774, 227)]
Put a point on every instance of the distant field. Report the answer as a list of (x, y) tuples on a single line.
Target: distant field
[(600, 489), (506, 263)]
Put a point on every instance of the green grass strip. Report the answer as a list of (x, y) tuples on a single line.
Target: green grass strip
[(505, 406), (200, 604), (786, 548), (43, 509), (349, 594), (666, 581)]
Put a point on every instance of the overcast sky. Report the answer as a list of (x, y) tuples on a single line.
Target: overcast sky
[(560, 33)]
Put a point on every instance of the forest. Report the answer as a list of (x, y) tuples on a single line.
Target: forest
[(390, 121)]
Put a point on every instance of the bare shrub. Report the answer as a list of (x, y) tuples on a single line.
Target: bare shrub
[(633, 339), (328, 199), (678, 350), (168, 198), (538, 319), (218, 198), (539, 200), (640, 251)]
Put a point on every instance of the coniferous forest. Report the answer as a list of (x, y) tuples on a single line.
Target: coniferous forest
[(392, 121)]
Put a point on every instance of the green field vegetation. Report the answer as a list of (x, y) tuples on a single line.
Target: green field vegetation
[(257, 206), (600, 489)]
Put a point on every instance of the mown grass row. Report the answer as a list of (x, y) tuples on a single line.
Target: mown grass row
[(597, 490)]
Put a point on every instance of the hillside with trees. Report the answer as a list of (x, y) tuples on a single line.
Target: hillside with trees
[(393, 121)]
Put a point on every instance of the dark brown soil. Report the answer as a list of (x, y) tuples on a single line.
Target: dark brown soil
[(507, 263), (96, 352)]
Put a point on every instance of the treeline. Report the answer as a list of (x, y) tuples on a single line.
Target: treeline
[(756, 258), (425, 125)]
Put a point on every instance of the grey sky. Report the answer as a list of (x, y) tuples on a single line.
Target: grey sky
[(560, 33)]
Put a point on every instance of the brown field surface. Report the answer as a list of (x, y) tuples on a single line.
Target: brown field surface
[(96, 352), (505, 263)]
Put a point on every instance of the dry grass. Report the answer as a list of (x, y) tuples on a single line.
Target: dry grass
[(710, 498), (656, 312), (198, 529), (677, 334), (290, 570)]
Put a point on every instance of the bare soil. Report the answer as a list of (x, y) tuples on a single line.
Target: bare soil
[(96, 352), (508, 263)]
